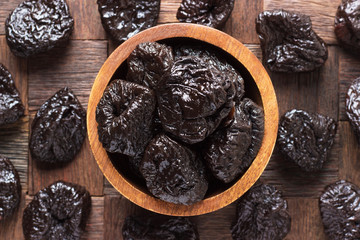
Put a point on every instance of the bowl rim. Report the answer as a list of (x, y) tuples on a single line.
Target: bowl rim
[(267, 95)]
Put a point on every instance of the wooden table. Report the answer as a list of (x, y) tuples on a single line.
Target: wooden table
[(76, 66)]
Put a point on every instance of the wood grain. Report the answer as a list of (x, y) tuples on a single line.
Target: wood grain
[(168, 11), (95, 225), (322, 14)]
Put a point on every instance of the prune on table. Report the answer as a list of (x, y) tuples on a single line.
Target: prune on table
[(138, 228), (262, 213), (10, 188), (149, 64), (347, 25), (288, 42), (340, 211), (306, 138), (212, 13), (58, 129), (59, 211), (353, 106), (123, 19), (11, 108), (173, 172), (194, 100), (38, 26), (125, 116)]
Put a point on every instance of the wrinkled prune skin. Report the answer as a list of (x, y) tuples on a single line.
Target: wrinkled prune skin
[(288, 42), (173, 172), (11, 107), (225, 149), (194, 99), (306, 138), (138, 228), (214, 59), (149, 64), (347, 25), (38, 26), (211, 13), (125, 116), (59, 211), (123, 19), (262, 213), (58, 129), (10, 188), (353, 106), (340, 211)]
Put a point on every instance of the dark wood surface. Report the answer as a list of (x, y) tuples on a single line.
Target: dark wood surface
[(76, 65)]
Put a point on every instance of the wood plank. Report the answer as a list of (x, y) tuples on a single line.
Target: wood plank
[(6, 7), (322, 14), (76, 66), (168, 10)]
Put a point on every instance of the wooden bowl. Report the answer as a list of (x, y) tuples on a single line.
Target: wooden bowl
[(257, 84)]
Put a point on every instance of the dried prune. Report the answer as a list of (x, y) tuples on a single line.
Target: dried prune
[(138, 228), (353, 106), (306, 138), (340, 211), (58, 129), (123, 19), (125, 116), (288, 42), (224, 150), (347, 25), (59, 211), (11, 108), (173, 172), (149, 64), (10, 188), (212, 13), (38, 26), (194, 100), (262, 213)]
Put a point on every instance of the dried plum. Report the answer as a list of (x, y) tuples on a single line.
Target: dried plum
[(38, 26), (58, 129), (262, 213), (340, 211), (353, 106), (306, 138), (149, 64), (11, 108), (347, 25), (194, 99), (173, 172), (125, 116), (212, 13), (138, 228), (288, 42), (123, 19), (59, 211), (10, 188)]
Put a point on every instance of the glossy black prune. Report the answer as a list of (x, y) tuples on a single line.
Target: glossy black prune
[(59, 211), (125, 116), (288, 42), (353, 106), (58, 129), (194, 99), (306, 138), (123, 19), (340, 211), (138, 228), (347, 25), (10, 188), (212, 13), (38, 26), (149, 64), (262, 213), (173, 172), (11, 108)]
